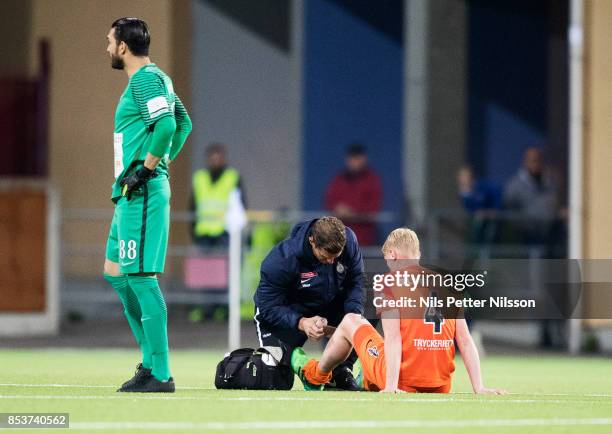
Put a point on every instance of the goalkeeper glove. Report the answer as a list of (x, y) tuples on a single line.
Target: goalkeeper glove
[(136, 180)]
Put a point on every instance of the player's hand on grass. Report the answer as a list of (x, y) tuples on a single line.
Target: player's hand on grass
[(489, 391), (136, 180), (314, 327)]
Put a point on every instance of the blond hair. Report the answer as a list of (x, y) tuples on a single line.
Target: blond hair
[(403, 239)]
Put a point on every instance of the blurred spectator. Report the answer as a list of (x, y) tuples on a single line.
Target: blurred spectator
[(477, 195), (481, 200), (355, 195), (533, 193), (213, 188)]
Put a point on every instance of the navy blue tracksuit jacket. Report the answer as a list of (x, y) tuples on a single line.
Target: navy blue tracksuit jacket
[(294, 283)]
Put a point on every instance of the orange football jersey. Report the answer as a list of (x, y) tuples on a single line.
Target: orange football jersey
[(428, 339)]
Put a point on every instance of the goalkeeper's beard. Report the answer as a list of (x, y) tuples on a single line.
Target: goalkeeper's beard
[(117, 62)]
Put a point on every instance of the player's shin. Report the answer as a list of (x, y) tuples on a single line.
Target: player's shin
[(336, 351), (154, 322), (133, 314), (338, 360)]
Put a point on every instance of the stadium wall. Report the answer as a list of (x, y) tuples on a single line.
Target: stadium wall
[(246, 94), (353, 81), (507, 101), (15, 18), (434, 105), (597, 231), (597, 130)]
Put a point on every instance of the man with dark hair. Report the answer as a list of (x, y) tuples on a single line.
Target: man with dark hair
[(134, 33), (309, 281), (151, 126), (533, 192), (355, 194)]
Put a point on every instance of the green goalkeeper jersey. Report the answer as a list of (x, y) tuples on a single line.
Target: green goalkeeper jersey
[(148, 97)]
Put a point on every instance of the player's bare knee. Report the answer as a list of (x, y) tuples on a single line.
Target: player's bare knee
[(111, 268), (351, 321), (355, 318)]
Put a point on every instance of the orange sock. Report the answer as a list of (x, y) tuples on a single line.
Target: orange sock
[(314, 375)]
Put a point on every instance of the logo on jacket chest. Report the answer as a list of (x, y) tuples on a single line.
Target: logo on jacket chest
[(306, 278)]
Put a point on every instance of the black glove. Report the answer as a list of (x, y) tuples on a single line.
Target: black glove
[(136, 180)]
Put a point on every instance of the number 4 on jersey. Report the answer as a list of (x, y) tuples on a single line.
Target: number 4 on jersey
[(434, 316)]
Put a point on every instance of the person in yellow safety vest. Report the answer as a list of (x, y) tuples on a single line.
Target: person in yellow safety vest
[(212, 188)]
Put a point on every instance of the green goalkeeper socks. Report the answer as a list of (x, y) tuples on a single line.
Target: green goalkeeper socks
[(131, 309), (154, 322)]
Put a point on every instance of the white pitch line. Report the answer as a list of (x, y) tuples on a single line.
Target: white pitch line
[(130, 396), (88, 386), (81, 386), (446, 400), (351, 424), (397, 399)]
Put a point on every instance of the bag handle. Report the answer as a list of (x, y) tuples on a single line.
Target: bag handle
[(241, 351), (244, 353)]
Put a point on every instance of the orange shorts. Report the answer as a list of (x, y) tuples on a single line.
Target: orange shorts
[(370, 348)]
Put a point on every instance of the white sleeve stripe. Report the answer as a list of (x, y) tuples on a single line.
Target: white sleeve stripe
[(156, 105), (159, 112)]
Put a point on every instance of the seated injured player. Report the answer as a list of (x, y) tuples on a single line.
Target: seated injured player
[(418, 350)]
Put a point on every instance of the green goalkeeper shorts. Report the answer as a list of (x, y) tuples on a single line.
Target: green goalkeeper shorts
[(138, 236)]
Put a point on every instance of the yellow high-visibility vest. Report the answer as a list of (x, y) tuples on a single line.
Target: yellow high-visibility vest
[(211, 200)]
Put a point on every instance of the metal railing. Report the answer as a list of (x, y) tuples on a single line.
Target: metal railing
[(172, 280), (443, 235), (446, 235)]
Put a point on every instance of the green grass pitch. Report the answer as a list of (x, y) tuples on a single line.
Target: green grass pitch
[(548, 394)]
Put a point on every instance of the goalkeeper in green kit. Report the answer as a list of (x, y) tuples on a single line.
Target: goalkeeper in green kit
[(151, 126)]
